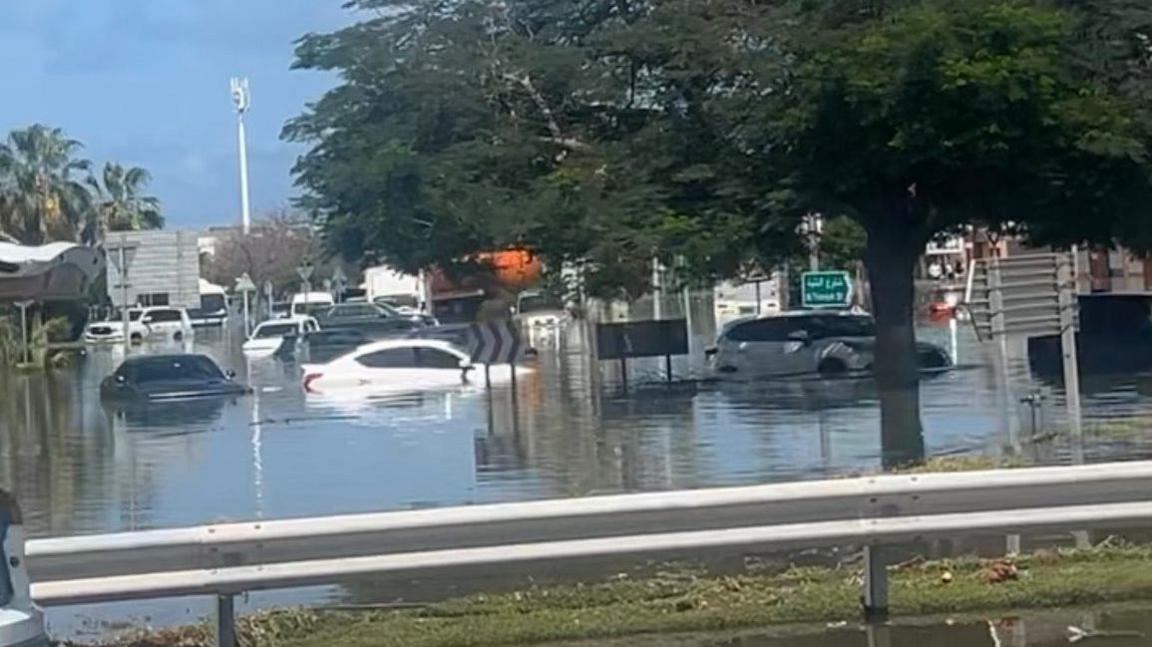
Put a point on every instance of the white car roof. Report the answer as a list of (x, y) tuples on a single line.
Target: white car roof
[(390, 344), (312, 297)]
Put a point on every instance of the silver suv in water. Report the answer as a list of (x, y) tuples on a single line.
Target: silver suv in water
[(21, 623), (825, 342)]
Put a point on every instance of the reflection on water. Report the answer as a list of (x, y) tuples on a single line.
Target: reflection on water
[(566, 429)]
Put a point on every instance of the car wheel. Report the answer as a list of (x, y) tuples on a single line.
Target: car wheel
[(832, 367), (179, 336), (137, 338)]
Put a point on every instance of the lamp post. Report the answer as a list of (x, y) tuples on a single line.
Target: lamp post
[(243, 100)]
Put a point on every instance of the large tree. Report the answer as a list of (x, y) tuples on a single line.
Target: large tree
[(612, 131), (42, 193), (276, 247), (120, 203)]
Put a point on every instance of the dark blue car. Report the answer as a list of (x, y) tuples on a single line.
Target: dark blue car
[(151, 378)]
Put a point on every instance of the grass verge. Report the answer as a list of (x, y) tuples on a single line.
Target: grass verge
[(687, 603)]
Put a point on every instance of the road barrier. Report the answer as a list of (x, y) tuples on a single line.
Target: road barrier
[(231, 559)]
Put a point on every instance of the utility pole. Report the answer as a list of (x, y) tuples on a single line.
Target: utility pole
[(243, 100)]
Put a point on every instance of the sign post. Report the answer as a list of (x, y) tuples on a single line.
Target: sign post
[(245, 287), (339, 283), (23, 306), (121, 253), (304, 271), (270, 296), (826, 290)]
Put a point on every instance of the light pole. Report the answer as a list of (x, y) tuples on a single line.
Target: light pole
[(243, 100), (27, 352)]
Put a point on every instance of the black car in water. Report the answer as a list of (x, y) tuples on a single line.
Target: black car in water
[(375, 320), (152, 378)]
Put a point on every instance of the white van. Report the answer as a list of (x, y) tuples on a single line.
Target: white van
[(307, 304), (21, 623), (166, 322)]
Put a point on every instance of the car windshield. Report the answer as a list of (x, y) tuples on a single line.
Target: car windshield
[(212, 302), (387, 309), (311, 309), (268, 331), (398, 300), (156, 369)]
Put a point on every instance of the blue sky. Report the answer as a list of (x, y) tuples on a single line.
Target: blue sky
[(145, 82)]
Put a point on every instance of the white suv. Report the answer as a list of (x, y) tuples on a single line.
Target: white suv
[(112, 331), (21, 623), (166, 322)]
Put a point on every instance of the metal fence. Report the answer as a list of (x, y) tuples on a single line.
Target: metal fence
[(227, 560)]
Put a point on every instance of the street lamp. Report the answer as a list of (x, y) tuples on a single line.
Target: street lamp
[(243, 100)]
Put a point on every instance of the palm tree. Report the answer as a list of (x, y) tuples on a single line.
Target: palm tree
[(120, 205), (41, 197)]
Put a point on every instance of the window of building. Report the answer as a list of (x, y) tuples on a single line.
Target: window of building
[(154, 299)]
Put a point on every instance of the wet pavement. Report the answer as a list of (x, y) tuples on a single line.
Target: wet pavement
[(566, 428)]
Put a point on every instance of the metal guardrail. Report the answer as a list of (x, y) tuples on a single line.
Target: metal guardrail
[(227, 560)]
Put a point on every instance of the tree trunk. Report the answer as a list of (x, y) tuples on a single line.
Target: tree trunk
[(891, 257)]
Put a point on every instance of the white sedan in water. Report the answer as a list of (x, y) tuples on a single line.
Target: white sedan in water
[(399, 365)]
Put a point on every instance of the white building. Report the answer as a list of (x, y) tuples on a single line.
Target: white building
[(163, 268)]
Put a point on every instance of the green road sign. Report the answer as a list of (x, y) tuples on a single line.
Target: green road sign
[(826, 290)]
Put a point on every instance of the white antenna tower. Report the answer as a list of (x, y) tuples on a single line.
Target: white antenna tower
[(242, 99)]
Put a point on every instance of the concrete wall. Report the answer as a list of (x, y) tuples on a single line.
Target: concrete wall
[(164, 262)]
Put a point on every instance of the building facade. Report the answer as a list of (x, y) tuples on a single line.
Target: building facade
[(163, 268)]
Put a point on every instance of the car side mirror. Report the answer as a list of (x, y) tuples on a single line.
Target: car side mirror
[(711, 352), (230, 374), (146, 320)]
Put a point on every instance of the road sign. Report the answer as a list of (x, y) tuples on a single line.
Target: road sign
[(826, 290), (636, 339), (245, 284), (1019, 295), (305, 271), (1031, 296), (495, 342)]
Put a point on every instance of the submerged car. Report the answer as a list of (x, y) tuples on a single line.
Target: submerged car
[(21, 623), (166, 322), (323, 346), (403, 364), (807, 342), (374, 319), (274, 335), (151, 378), (112, 331)]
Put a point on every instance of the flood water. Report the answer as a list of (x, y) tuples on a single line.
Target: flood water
[(567, 428)]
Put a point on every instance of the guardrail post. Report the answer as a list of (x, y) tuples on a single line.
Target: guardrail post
[(875, 584), (225, 621)]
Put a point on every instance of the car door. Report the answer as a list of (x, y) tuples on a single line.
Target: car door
[(440, 367), (764, 347)]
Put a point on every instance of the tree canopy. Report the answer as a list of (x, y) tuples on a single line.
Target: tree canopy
[(613, 131), (48, 192)]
